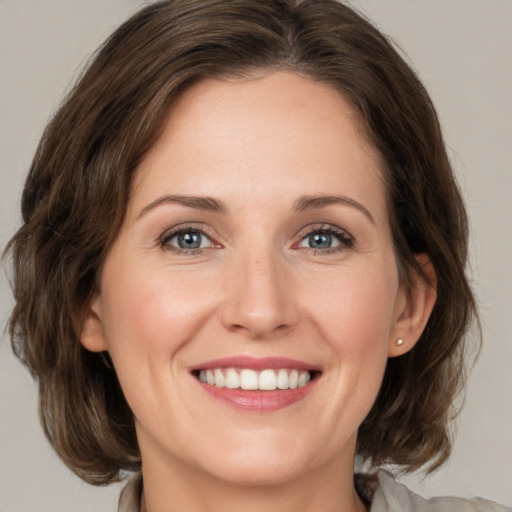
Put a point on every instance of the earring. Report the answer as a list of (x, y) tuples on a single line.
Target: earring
[(399, 342)]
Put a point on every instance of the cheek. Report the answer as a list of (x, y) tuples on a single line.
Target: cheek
[(151, 310), (356, 307), (356, 316), (149, 315)]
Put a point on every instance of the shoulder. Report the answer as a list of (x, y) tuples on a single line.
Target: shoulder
[(388, 496)]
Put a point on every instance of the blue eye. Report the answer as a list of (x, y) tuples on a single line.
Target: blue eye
[(326, 238), (319, 241), (187, 239)]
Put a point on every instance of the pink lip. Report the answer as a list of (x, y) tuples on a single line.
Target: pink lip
[(259, 401), (255, 363)]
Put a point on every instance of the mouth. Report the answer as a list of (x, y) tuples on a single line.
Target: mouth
[(248, 379), (254, 384)]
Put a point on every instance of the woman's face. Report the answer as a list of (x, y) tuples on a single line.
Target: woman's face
[(255, 252)]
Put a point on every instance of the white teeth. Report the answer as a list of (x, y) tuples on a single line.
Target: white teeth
[(294, 379), (283, 382), (304, 378), (268, 381), (232, 380), (248, 379), (219, 378)]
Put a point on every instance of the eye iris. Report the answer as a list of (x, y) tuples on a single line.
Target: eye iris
[(320, 240), (189, 240)]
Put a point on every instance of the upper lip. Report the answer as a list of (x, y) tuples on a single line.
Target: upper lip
[(255, 363)]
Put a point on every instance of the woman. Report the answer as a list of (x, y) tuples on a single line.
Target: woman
[(242, 264)]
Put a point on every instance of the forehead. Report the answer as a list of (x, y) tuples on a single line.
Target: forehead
[(264, 101), (265, 134)]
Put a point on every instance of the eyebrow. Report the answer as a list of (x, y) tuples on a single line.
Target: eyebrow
[(197, 202), (214, 205), (313, 202)]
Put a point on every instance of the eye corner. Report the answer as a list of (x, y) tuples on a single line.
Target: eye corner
[(329, 239), (188, 240)]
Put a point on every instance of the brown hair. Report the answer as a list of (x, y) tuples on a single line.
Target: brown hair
[(76, 193)]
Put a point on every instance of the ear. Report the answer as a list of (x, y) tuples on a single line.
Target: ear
[(414, 306), (92, 334)]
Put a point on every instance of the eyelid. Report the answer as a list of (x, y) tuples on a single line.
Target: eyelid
[(170, 233), (346, 240)]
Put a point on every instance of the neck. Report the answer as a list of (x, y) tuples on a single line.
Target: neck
[(329, 489)]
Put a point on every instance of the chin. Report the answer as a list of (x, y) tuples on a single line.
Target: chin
[(267, 460), (259, 470)]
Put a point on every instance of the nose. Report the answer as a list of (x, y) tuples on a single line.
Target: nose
[(259, 301)]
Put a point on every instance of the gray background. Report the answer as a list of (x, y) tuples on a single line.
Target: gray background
[(462, 50)]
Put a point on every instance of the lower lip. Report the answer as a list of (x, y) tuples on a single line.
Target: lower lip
[(261, 401)]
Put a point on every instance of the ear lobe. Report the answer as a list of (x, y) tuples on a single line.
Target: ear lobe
[(415, 308), (92, 335)]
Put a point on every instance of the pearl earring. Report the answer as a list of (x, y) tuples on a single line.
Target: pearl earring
[(399, 342)]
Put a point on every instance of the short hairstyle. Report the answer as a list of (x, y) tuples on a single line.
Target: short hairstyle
[(78, 186)]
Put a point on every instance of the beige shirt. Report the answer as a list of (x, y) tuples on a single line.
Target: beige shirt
[(385, 495)]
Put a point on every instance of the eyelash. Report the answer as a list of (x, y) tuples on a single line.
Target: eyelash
[(346, 241), (164, 240)]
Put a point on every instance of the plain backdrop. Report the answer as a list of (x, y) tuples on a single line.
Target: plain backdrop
[(462, 50)]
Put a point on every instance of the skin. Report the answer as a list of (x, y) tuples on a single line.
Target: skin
[(257, 288)]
